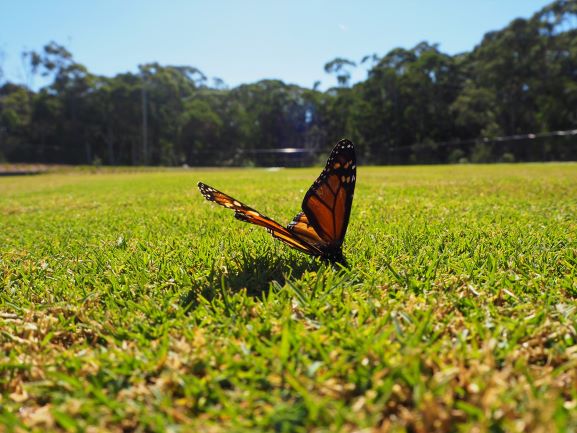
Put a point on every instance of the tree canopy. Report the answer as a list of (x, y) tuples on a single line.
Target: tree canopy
[(416, 105)]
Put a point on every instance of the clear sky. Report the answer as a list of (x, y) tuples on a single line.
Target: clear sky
[(244, 41)]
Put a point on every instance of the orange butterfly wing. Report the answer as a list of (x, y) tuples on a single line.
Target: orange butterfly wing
[(328, 202), (252, 216), (301, 228), (320, 229)]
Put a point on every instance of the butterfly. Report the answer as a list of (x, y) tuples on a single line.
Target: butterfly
[(319, 229)]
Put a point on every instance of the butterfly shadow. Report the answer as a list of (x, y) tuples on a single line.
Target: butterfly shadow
[(253, 273)]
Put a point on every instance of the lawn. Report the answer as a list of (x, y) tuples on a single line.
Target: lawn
[(130, 303)]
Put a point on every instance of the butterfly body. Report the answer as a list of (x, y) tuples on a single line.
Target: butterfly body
[(319, 229)]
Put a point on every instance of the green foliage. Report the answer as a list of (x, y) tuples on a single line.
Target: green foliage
[(507, 157), (339, 67), (457, 156), (518, 80), (482, 152), (129, 303)]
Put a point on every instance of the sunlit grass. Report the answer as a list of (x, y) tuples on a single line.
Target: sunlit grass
[(129, 302)]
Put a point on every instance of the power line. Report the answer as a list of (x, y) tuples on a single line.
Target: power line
[(517, 137)]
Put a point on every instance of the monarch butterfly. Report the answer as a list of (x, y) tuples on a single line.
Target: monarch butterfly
[(319, 229)]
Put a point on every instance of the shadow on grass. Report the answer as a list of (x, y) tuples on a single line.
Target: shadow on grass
[(251, 273)]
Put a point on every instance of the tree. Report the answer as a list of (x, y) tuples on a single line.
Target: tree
[(14, 120), (412, 107), (406, 100), (341, 68)]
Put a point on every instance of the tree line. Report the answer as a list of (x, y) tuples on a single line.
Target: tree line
[(415, 105)]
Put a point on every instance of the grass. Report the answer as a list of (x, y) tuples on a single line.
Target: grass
[(129, 303)]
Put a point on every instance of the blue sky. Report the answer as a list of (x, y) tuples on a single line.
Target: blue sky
[(244, 41)]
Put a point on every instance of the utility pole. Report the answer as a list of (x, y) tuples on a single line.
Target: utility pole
[(144, 122), (2, 156)]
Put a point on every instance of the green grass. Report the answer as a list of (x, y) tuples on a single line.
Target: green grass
[(129, 303)]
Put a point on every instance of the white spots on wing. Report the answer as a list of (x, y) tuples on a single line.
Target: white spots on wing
[(236, 203), (354, 166), (207, 191)]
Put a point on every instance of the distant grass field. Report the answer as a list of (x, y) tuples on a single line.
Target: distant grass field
[(129, 303)]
